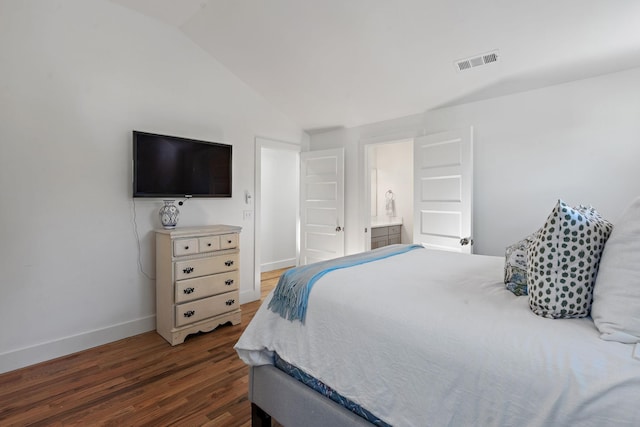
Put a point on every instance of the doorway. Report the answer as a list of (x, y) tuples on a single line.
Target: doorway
[(390, 192), (277, 192)]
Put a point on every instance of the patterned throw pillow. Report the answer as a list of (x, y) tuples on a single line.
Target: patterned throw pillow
[(563, 261), (515, 266)]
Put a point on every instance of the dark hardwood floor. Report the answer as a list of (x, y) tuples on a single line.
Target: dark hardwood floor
[(138, 381)]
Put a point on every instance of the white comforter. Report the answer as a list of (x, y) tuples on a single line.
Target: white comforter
[(432, 338)]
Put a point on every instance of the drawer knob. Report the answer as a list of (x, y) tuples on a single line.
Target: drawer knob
[(188, 270), (186, 248), (228, 241), (228, 282), (230, 302), (189, 313), (228, 263), (188, 290), (209, 244)]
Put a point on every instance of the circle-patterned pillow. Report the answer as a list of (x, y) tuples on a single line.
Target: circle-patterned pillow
[(515, 266), (563, 261)]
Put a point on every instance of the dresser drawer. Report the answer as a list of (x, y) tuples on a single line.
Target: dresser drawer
[(228, 241), (394, 229), (379, 232), (378, 242), (209, 243), (182, 247), (205, 266), (200, 287), (395, 240), (190, 312)]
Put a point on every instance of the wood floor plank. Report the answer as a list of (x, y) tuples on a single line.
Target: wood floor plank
[(139, 381)]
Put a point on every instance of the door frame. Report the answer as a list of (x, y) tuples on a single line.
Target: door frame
[(260, 143)]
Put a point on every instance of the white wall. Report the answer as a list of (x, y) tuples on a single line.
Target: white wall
[(77, 77), (576, 141), (279, 208)]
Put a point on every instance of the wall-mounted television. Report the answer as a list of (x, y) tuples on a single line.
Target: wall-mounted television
[(173, 167)]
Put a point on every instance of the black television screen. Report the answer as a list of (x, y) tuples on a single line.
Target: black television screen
[(169, 166)]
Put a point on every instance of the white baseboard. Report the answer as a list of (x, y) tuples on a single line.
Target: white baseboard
[(249, 296), (269, 266), (22, 357)]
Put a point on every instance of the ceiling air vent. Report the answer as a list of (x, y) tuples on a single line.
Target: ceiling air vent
[(478, 60)]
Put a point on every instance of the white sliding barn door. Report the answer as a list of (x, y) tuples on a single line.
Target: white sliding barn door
[(321, 205), (443, 190)]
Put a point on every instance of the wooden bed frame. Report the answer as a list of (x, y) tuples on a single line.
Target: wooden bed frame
[(275, 394)]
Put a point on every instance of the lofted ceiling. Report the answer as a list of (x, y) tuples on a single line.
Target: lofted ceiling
[(344, 63)]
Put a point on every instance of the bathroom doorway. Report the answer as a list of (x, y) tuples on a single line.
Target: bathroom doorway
[(390, 188)]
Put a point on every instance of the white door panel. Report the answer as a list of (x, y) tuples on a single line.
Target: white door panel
[(443, 184), (321, 205)]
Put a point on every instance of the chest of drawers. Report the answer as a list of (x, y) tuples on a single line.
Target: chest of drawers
[(385, 235), (197, 280)]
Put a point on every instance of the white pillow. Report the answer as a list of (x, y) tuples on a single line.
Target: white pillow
[(616, 296)]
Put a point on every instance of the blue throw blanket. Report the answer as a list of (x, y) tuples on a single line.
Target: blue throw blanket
[(292, 292)]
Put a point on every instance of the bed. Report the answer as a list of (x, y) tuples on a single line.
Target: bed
[(433, 338)]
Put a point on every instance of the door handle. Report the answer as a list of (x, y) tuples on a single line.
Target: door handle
[(466, 241), (338, 228)]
